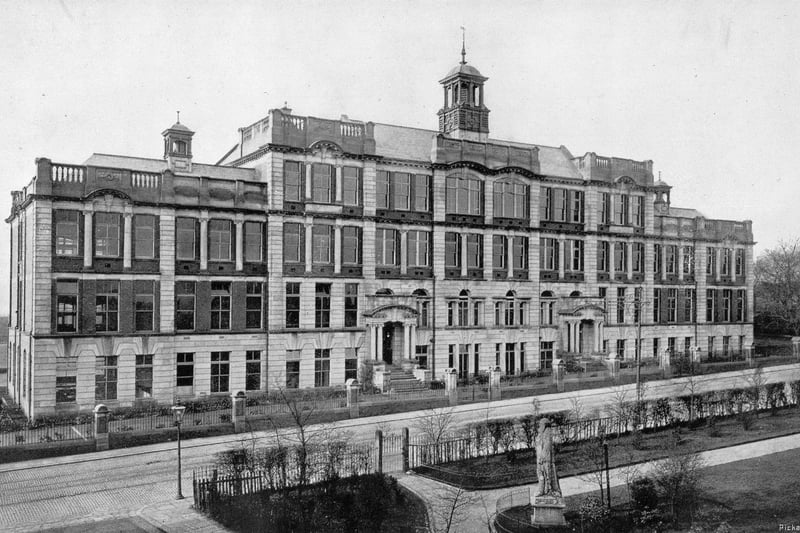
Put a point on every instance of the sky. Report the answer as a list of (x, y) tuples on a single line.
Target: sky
[(709, 90)]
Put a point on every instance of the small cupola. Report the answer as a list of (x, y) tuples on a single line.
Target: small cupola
[(178, 146), (464, 115), (662, 202)]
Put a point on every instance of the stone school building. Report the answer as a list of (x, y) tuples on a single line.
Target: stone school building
[(315, 247)]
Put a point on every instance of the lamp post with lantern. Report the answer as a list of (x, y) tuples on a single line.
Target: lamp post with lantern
[(177, 413)]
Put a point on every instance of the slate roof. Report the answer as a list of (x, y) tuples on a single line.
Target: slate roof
[(159, 165)]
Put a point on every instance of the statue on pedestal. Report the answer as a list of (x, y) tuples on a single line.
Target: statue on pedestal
[(548, 503)]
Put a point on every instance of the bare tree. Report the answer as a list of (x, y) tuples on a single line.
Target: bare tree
[(435, 424), (591, 453), (777, 287), (677, 479), (449, 509)]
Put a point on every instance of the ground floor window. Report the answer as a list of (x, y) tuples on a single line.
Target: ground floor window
[(144, 376), (350, 363), (292, 374), (322, 367), (105, 383), (546, 355), (185, 370), (463, 360), (220, 371), (66, 389), (422, 355), (252, 370), (511, 353)]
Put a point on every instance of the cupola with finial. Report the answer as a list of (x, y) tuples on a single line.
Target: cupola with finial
[(464, 115), (178, 146)]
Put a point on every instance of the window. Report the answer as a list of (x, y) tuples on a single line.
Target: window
[(546, 204), (451, 355), (546, 312), (510, 200), (499, 249), (421, 193), (382, 190), (546, 355), (106, 234), (143, 308), (293, 250), (322, 367), (66, 389), (184, 370), (605, 208), (711, 346), (144, 377), (351, 186), (637, 304), (549, 255), (726, 305), (656, 305), (620, 305), (66, 306), (351, 305), (253, 305), (576, 206), (726, 262), (67, 232), (688, 260), (144, 236), (620, 257), (638, 257), (402, 191), (520, 259), (657, 251), (711, 261), (421, 353), (322, 305), (221, 305), (292, 374), (386, 246), (637, 211), (351, 245), (418, 249), (710, 305), (689, 297), (575, 255), (219, 240), (452, 250), (350, 364), (184, 304), (621, 348), (672, 305), (293, 305), (477, 312), (220, 371), (105, 378), (185, 238), (463, 196), (422, 307), (670, 251), (510, 309), (321, 183), (322, 244), (739, 263), (511, 350), (560, 205), (474, 250), (252, 370), (292, 181), (106, 305), (655, 348), (726, 345), (252, 242), (740, 299), (621, 209), (603, 256), (463, 361), (179, 147)]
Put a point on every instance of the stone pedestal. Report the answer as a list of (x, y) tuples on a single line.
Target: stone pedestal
[(559, 369), (749, 351), (382, 378), (351, 386), (101, 427), (494, 382), (548, 511), (612, 364), (237, 411), (451, 385), (666, 361)]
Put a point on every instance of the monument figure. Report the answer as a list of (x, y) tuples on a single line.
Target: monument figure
[(548, 503)]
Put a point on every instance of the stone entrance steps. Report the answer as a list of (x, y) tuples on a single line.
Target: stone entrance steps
[(404, 381)]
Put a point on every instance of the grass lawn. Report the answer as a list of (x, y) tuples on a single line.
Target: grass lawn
[(504, 471)]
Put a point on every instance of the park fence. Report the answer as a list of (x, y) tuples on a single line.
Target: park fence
[(46, 434)]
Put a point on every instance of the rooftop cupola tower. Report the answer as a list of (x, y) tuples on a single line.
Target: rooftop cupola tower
[(464, 115), (178, 146)]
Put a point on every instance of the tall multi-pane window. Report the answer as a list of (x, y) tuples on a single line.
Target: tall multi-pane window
[(293, 251), (546, 355), (144, 236), (322, 244), (638, 257), (144, 376), (66, 306), (253, 242), (560, 205), (463, 196), (520, 248), (621, 348), (184, 305), (620, 305), (66, 389), (726, 345), (474, 250), (144, 308), (67, 232), (293, 305), (220, 371), (105, 380), (671, 259), (184, 369), (688, 260), (350, 305), (603, 256), (546, 312), (710, 305), (637, 211), (637, 305), (621, 209), (689, 297), (252, 370), (726, 262), (672, 305), (739, 263), (499, 252), (322, 183), (656, 305), (351, 245), (605, 208), (322, 367), (106, 305), (185, 239), (576, 206), (253, 304), (711, 261), (418, 248), (740, 300), (574, 259), (421, 193), (350, 363), (386, 245), (401, 188), (106, 234), (549, 254), (221, 305), (351, 186), (452, 250), (657, 255), (322, 305), (620, 257), (219, 240), (510, 200), (292, 181), (382, 189), (726, 305), (292, 372)]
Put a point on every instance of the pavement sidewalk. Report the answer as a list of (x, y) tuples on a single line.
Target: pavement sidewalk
[(482, 506)]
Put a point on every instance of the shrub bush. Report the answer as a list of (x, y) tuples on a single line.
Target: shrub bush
[(643, 494)]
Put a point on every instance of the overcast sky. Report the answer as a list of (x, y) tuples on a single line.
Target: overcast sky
[(708, 90)]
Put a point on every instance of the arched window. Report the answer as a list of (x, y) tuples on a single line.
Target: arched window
[(383, 292), (510, 296), (575, 294), (464, 310), (423, 304), (547, 306)]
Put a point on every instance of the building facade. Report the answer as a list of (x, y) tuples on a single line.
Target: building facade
[(316, 246)]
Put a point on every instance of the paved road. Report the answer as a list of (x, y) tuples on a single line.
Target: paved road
[(131, 482)]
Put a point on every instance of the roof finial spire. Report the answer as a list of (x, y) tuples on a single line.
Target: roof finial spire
[(179, 116), (463, 46)]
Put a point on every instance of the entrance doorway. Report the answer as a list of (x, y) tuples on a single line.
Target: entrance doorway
[(392, 341), (587, 336)]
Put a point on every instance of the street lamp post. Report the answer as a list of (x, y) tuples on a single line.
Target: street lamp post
[(177, 412)]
